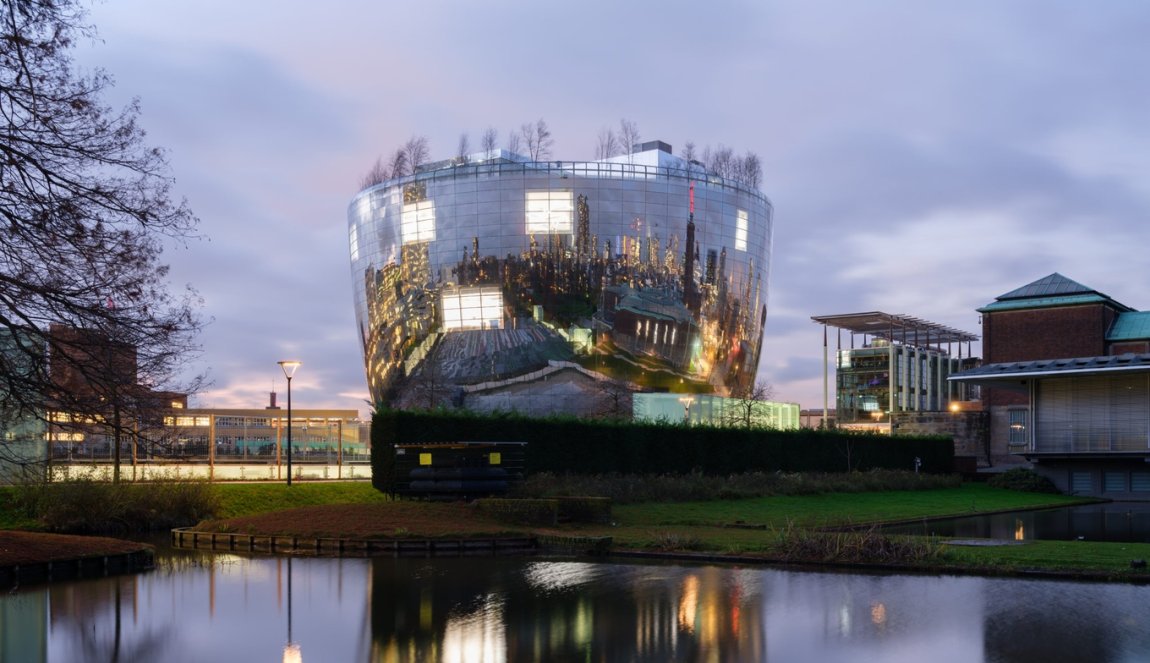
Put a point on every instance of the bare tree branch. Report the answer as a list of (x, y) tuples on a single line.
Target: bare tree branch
[(86, 207), (463, 150), (490, 140), (628, 135), (608, 145)]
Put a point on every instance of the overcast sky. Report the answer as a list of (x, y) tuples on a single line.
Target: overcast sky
[(922, 158)]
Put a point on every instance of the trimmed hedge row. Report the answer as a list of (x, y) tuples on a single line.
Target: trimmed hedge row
[(580, 446)]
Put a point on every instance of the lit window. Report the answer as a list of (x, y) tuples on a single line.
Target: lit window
[(549, 212), (741, 225), (1017, 421), (472, 308), (417, 222)]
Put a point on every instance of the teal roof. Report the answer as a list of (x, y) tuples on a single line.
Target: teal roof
[(1049, 291), (1055, 284), (1130, 326)]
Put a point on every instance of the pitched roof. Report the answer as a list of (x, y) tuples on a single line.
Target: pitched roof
[(1049, 291), (1130, 326)]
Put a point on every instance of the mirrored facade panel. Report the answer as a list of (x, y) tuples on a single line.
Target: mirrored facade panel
[(474, 281)]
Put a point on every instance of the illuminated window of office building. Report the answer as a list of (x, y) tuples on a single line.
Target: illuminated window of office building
[(741, 231), (472, 308), (549, 212), (417, 223)]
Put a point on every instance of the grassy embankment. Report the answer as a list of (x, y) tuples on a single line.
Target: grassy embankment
[(745, 527)]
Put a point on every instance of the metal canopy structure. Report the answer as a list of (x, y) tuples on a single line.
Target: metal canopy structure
[(900, 330), (896, 328)]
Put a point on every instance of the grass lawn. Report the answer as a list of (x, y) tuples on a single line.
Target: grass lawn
[(838, 508), (1090, 556), (246, 499), (743, 527), (370, 521)]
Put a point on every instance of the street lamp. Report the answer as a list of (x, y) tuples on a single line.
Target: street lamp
[(686, 401), (290, 367)]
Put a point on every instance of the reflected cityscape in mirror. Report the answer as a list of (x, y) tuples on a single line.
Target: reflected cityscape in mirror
[(560, 283)]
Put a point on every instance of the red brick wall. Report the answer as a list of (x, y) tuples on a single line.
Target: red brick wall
[(1048, 333), (1043, 333)]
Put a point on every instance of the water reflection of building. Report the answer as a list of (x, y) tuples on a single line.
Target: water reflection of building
[(638, 264), (489, 610)]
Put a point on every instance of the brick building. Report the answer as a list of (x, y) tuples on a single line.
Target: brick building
[(1066, 381)]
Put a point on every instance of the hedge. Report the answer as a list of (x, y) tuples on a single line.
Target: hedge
[(584, 446)]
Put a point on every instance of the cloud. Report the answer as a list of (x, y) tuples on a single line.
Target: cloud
[(922, 158)]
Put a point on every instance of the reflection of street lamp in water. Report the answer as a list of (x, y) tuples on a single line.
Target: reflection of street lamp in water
[(292, 653), (686, 401)]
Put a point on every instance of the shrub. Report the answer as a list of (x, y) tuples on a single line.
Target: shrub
[(1023, 479), (868, 546), (669, 541), (93, 505)]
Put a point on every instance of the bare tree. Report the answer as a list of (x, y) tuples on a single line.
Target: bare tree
[(464, 149), (398, 164), (430, 385), (87, 207), (689, 151), (538, 139), (608, 145), (490, 140), (747, 406), (512, 142), (722, 162), (628, 135), (613, 401), (377, 174), (752, 170), (417, 152)]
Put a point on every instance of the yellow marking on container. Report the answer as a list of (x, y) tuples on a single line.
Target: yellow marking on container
[(424, 459), (495, 458)]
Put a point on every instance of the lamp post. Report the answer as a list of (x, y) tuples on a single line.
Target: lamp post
[(686, 401), (289, 367)]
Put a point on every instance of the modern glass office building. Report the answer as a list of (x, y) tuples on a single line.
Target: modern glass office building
[(484, 273), (900, 365)]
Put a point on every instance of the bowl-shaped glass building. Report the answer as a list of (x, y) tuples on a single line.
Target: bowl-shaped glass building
[(496, 282)]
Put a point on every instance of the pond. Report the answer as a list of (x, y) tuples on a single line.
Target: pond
[(203, 607), (1125, 522)]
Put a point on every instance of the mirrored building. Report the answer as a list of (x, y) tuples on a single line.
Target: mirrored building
[(476, 277)]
